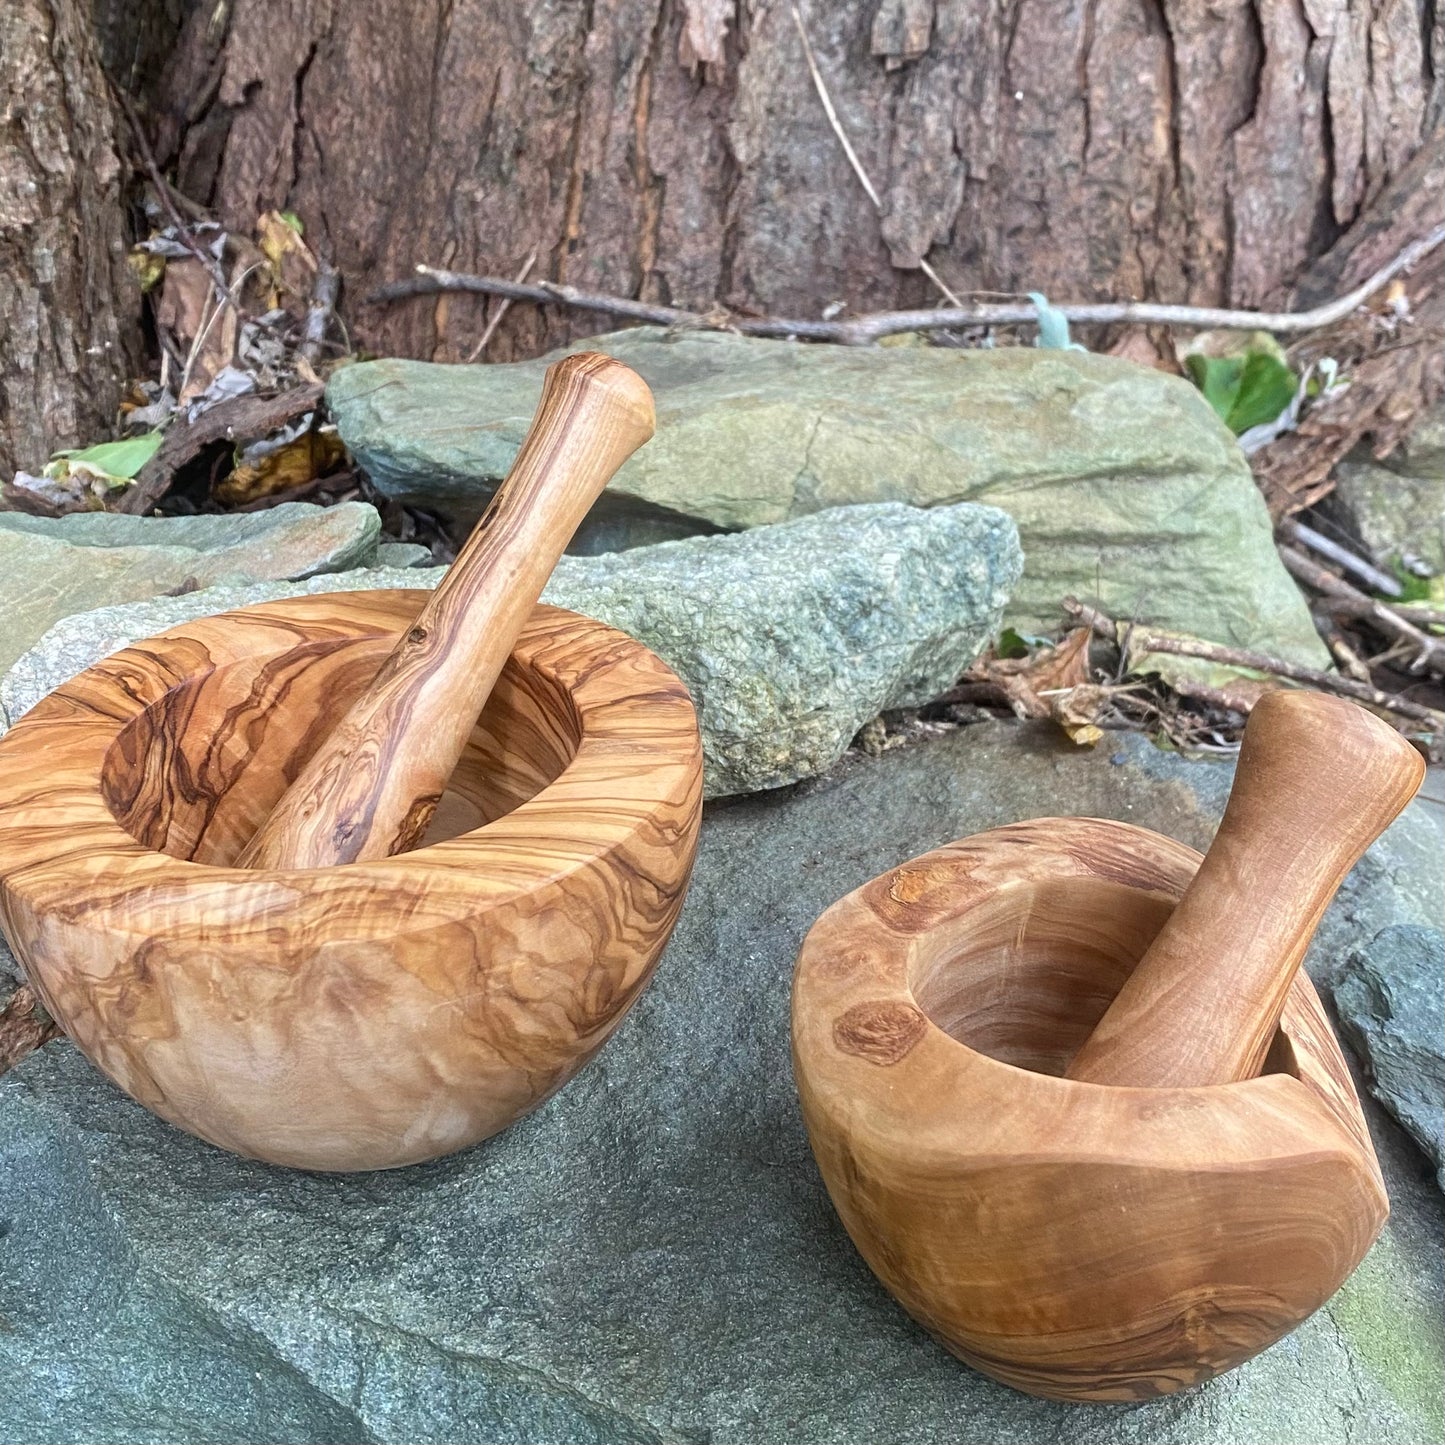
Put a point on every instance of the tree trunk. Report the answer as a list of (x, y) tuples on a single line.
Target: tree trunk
[(69, 307), (677, 150)]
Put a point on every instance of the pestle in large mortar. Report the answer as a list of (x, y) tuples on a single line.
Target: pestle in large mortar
[(401, 1007), (372, 787), (1319, 779)]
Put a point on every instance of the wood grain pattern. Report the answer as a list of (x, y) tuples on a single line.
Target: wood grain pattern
[(1073, 1240), (366, 1016), (1319, 779), (370, 789)]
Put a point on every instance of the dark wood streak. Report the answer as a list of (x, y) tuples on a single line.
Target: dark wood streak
[(882, 1032), (357, 797)]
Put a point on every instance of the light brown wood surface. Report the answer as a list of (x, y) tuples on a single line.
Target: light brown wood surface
[(1319, 779), (366, 1016), (369, 789), (1073, 1240)]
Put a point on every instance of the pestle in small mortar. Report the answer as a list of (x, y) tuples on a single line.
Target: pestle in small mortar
[(371, 788), (1319, 779)]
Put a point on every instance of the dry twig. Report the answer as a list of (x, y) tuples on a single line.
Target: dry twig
[(319, 311), (1350, 661), (231, 297), (1346, 601), (167, 196), (861, 330), (1147, 641), (501, 311), (1296, 531), (1421, 614)]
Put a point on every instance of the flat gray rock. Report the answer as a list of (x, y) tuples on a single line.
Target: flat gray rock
[(1125, 485), (53, 567), (651, 1255), (403, 554), (1391, 999), (790, 638)]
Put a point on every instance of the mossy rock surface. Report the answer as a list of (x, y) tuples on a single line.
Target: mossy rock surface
[(1126, 488)]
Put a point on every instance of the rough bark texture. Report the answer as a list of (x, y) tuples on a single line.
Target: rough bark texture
[(69, 310), (135, 38), (676, 149)]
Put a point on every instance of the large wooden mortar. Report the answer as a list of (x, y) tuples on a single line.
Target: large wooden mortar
[(1077, 1240), (373, 1014)]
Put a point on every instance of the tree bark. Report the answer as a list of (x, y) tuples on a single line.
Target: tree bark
[(676, 150), (69, 307)]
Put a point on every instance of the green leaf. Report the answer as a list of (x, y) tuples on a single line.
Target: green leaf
[(119, 460), (294, 221), (1218, 378), (1266, 388), (1053, 326), (1414, 588), (1012, 643), (1246, 390)]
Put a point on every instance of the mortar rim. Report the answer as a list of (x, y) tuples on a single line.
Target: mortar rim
[(821, 1067), (657, 767)]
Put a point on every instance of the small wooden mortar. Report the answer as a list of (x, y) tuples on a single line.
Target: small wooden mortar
[(1122, 1238), (331, 1014)]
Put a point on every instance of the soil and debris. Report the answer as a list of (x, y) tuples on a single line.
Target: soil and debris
[(246, 329)]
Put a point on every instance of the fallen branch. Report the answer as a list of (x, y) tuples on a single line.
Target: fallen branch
[(1346, 601), (1296, 531), (243, 418), (860, 330), (319, 311), (1146, 641)]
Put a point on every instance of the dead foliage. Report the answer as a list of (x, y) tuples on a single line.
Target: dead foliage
[(1391, 360), (1103, 676), (241, 323), (1052, 682)]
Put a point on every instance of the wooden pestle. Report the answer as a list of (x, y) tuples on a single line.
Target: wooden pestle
[(1319, 779), (371, 788)]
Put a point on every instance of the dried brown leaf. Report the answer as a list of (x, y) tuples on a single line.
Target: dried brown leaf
[(187, 309), (1080, 710), (1023, 681), (184, 303), (292, 265), (311, 455)]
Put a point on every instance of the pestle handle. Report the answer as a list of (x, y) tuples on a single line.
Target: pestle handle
[(371, 788), (1319, 779)]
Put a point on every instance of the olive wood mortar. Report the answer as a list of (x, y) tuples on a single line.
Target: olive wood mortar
[(1075, 1240), (356, 1017)]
